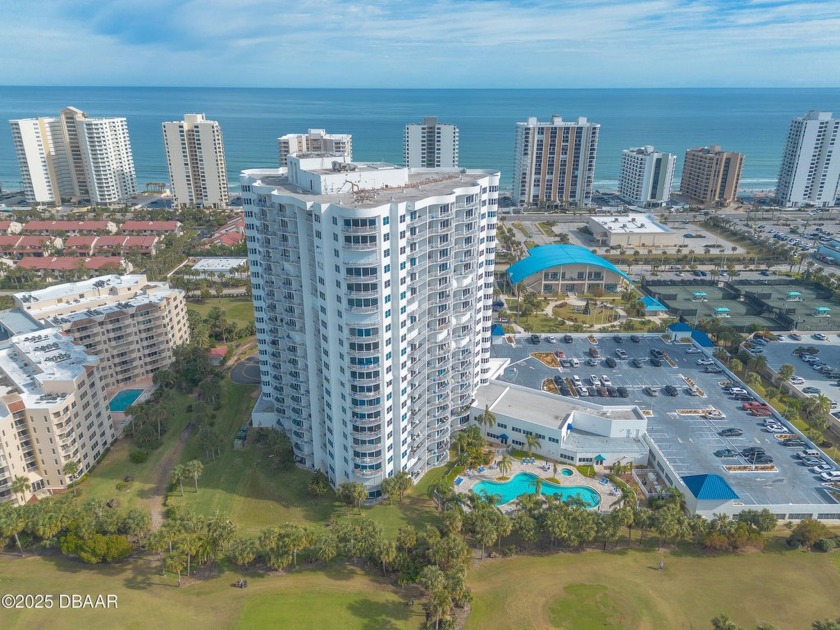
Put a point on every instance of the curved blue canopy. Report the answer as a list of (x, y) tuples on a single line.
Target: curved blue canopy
[(547, 256)]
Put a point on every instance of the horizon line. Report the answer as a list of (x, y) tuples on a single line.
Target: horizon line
[(517, 89)]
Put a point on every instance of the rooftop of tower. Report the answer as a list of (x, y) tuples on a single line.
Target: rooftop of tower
[(330, 179)]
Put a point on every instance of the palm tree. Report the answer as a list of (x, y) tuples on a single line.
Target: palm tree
[(12, 522), (178, 475), (532, 442), (505, 465), (786, 372), (194, 469), (537, 483), (21, 486), (486, 419), (460, 442), (71, 469)]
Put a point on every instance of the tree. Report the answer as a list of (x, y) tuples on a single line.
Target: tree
[(537, 483), (532, 442), (826, 624), (352, 493), (70, 470), (484, 529), (21, 485), (527, 527), (505, 464), (178, 474), (194, 469), (722, 622), (12, 523), (389, 488), (486, 419), (404, 483), (385, 552), (786, 372), (807, 532), (460, 442)]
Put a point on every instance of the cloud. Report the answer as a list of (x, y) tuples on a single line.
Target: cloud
[(400, 43)]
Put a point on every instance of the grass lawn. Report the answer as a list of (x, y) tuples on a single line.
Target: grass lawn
[(237, 309), (339, 597), (596, 315), (624, 589), (116, 465)]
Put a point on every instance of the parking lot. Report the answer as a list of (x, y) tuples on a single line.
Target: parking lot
[(676, 423), (780, 352)]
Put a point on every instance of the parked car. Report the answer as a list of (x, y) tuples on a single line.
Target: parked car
[(760, 459), (568, 338), (651, 391), (820, 337), (693, 350), (612, 391), (535, 338), (822, 468), (705, 361), (623, 392), (743, 397), (811, 390), (671, 390), (733, 391), (809, 462), (605, 380), (593, 352), (593, 378), (618, 338), (791, 442), (808, 452), (761, 412), (656, 362), (751, 450), (690, 391), (558, 380), (714, 414), (621, 354), (712, 369), (602, 391), (551, 339), (610, 362), (831, 475), (732, 432), (635, 338), (795, 337), (656, 353), (797, 380), (592, 361), (776, 428), (726, 452), (753, 405), (637, 362)]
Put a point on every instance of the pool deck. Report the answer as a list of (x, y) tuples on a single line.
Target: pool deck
[(609, 493)]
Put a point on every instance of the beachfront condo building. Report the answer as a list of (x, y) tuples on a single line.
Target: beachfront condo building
[(74, 156), (555, 162), (431, 144), (646, 176), (53, 410), (810, 170), (131, 324), (195, 156), (372, 288), (314, 141), (711, 176)]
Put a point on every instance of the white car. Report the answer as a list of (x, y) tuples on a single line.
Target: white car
[(594, 379), (605, 380), (832, 475), (822, 468), (693, 350), (576, 380), (776, 428), (551, 339), (582, 390), (737, 390), (820, 337), (797, 380), (714, 414), (705, 361)]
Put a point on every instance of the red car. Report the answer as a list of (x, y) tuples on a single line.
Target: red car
[(754, 405), (761, 412)]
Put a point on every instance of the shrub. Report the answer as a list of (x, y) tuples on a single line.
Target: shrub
[(587, 470), (806, 533), (121, 485), (96, 548), (824, 544), (138, 455)]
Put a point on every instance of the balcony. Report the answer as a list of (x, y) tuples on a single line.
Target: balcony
[(367, 461), (360, 229), (366, 448), (362, 294), (355, 278), (362, 247), (364, 310), (366, 409), (366, 395)]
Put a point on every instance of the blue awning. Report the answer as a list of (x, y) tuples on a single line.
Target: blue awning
[(652, 304), (504, 436), (497, 331)]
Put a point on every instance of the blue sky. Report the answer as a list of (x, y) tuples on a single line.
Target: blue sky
[(421, 44)]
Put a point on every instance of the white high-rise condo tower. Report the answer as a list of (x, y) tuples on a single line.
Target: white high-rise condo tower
[(431, 144), (810, 170), (195, 156), (372, 288), (73, 155), (555, 161), (646, 176), (314, 141)]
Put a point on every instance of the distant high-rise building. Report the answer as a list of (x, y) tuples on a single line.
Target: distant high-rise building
[(711, 176), (195, 155), (810, 170), (646, 176), (431, 144), (315, 141), (372, 311), (73, 155), (555, 161)]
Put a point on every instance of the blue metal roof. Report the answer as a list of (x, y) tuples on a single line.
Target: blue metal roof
[(680, 327), (496, 330), (547, 256), (702, 339), (652, 304), (709, 488)]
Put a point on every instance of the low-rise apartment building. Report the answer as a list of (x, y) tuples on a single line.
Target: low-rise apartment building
[(53, 410)]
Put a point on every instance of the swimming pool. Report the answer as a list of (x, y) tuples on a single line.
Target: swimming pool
[(523, 484), (124, 399), (567, 472)]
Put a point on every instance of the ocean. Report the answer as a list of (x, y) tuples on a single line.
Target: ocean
[(752, 121)]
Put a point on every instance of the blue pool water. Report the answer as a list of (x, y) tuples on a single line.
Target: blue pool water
[(566, 472), (522, 484), (124, 399)]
